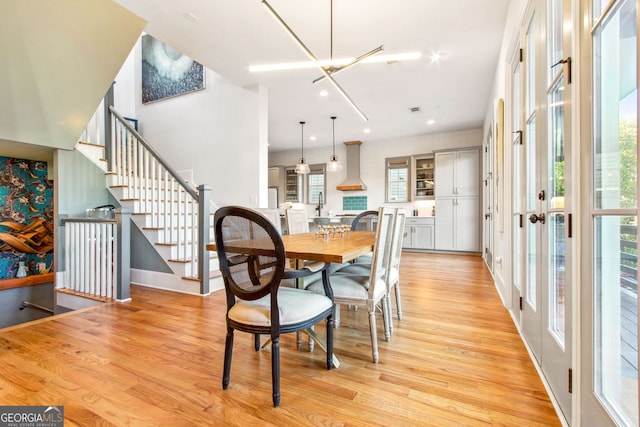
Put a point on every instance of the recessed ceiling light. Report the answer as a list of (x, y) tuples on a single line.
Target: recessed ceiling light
[(435, 57), (313, 138), (324, 93), (430, 122), (367, 130)]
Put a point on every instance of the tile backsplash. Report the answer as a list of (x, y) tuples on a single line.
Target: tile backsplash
[(354, 203)]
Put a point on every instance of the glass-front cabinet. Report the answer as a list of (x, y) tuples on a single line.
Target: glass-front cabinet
[(424, 177), (291, 186)]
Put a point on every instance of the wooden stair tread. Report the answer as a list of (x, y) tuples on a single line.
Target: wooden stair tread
[(213, 275), (83, 295)]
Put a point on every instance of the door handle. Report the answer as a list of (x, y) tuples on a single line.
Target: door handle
[(535, 218)]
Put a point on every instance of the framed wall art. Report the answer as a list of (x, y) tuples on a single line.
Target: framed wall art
[(166, 72)]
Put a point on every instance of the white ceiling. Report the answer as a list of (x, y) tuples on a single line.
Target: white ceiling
[(229, 36)]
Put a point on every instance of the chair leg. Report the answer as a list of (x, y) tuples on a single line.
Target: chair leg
[(275, 369), (329, 344), (389, 314), (374, 335), (336, 315), (398, 301), (385, 317), (228, 351), (256, 341)]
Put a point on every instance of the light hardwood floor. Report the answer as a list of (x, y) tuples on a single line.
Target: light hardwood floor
[(455, 359)]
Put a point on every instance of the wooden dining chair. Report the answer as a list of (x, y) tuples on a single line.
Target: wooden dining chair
[(366, 290), (362, 268), (365, 221), (297, 221), (274, 216), (252, 261), (392, 275), (313, 266)]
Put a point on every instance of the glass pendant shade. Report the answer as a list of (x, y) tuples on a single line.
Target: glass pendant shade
[(302, 167), (334, 165)]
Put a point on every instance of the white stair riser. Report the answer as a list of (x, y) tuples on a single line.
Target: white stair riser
[(148, 221), (147, 194), (188, 270)]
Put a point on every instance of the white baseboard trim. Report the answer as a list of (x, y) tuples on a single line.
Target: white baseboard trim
[(170, 282), (546, 385)]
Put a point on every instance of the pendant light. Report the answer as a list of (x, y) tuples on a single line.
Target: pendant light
[(302, 167), (334, 164)]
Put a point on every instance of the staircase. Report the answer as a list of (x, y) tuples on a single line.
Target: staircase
[(174, 216)]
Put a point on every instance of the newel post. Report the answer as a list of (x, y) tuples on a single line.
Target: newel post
[(204, 224), (123, 254)]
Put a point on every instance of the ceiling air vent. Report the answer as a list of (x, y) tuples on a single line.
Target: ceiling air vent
[(414, 109)]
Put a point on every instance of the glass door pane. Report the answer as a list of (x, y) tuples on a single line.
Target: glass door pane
[(557, 279), (556, 189), (616, 313), (615, 245), (531, 197)]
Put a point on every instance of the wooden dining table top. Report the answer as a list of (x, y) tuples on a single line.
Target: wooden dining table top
[(305, 246)]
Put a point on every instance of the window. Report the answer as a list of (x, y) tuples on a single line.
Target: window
[(614, 260), (316, 183), (397, 180)]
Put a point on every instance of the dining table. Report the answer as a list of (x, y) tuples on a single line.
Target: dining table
[(333, 248)]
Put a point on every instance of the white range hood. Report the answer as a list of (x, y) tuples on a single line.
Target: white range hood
[(353, 181)]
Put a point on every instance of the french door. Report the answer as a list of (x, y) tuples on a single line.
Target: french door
[(488, 199), (610, 342), (517, 196), (541, 195)]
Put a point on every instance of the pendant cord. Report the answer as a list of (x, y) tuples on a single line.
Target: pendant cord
[(333, 119), (302, 140), (331, 37)]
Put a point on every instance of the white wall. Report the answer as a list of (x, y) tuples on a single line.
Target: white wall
[(212, 135), (79, 184), (372, 166)]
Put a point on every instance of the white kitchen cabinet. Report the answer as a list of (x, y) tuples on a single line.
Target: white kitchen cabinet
[(457, 173), (274, 176), (419, 233), (458, 224), (458, 201)]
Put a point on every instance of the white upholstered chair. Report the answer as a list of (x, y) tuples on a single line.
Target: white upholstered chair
[(391, 266), (274, 216), (366, 290), (393, 270)]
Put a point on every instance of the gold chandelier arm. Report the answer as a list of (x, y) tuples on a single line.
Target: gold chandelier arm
[(343, 93), (290, 31), (313, 58), (334, 71)]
